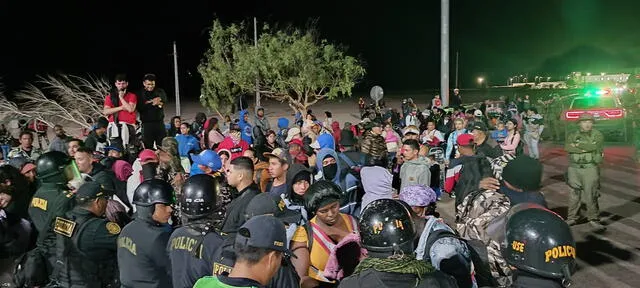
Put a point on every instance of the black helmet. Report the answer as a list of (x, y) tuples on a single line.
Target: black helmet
[(320, 194), (153, 191), (51, 164), (386, 226), (540, 242), (199, 196)]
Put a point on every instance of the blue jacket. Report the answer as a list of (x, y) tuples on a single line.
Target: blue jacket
[(246, 129), (186, 144), (345, 180)]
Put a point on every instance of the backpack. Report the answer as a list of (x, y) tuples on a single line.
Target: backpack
[(479, 220), (473, 170)]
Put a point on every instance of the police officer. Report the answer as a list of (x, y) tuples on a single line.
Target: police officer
[(142, 246), (540, 245), (51, 200), (585, 148), (86, 246), (192, 246), (387, 232)]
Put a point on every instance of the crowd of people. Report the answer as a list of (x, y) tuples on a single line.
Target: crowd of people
[(225, 202)]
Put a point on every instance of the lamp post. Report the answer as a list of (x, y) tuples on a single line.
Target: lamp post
[(480, 81)]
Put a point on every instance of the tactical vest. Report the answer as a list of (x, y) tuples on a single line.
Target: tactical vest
[(75, 268), (594, 157)]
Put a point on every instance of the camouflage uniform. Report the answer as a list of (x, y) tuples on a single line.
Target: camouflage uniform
[(476, 220), (554, 111), (374, 145), (583, 176)]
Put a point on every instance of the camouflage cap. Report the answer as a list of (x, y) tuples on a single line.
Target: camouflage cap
[(586, 117)]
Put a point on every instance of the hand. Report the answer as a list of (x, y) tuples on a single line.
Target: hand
[(489, 183), (156, 101)]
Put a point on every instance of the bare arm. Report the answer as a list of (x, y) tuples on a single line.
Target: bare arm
[(108, 110), (301, 263), (129, 107)]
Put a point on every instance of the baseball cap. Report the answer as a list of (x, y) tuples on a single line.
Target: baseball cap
[(208, 158), (91, 190), (22, 163), (465, 140), (477, 125), (265, 204), (291, 133), (411, 129), (115, 145), (266, 232), (296, 142), (477, 113), (278, 153), (147, 154)]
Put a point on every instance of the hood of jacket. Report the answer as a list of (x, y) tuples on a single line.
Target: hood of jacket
[(343, 179), (283, 123), (294, 170), (241, 117), (326, 141), (376, 182)]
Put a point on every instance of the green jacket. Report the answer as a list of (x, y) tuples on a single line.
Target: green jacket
[(49, 201), (585, 147)]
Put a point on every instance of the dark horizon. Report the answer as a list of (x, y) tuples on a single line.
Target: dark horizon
[(398, 42)]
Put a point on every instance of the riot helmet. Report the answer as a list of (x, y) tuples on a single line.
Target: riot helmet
[(199, 196), (153, 191), (386, 227), (538, 241), (50, 167)]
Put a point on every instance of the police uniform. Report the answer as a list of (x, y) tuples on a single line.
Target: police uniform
[(192, 247), (52, 199), (143, 259), (583, 176), (86, 244), (539, 244)]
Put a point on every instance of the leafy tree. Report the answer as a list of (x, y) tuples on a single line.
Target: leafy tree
[(292, 66)]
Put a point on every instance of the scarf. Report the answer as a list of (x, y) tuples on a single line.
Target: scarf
[(403, 265)]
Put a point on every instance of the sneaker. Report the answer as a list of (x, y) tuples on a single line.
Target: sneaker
[(572, 222), (597, 225)]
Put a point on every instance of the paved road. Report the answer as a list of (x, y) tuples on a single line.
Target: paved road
[(612, 258)]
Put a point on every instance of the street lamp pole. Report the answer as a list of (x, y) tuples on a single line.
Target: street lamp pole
[(444, 52)]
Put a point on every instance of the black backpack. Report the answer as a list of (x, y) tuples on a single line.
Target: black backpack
[(479, 256), (474, 168)]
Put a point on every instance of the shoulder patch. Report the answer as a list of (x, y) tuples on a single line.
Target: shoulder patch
[(113, 228), (64, 226)]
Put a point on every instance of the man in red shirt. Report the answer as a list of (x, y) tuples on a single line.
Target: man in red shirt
[(120, 108)]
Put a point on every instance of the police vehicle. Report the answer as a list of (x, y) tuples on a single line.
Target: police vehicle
[(604, 104)]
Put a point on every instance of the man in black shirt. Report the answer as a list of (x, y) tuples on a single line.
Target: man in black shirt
[(150, 105), (240, 176), (485, 145)]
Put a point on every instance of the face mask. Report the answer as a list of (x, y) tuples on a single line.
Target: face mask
[(330, 171), (149, 170)]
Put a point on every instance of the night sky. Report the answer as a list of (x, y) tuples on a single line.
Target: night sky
[(397, 40)]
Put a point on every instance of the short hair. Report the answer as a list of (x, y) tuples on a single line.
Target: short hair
[(269, 132), (328, 114), (243, 163), (251, 255), (186, 123), (253, 151), (84, 149), (149, 77), (470, 111), (412, 143), (57, 125), (80, 142), (458, 120), (26, 133), (121, 77)]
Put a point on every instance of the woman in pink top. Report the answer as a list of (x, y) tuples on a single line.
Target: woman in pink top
[(392, 139), (510, 143)]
